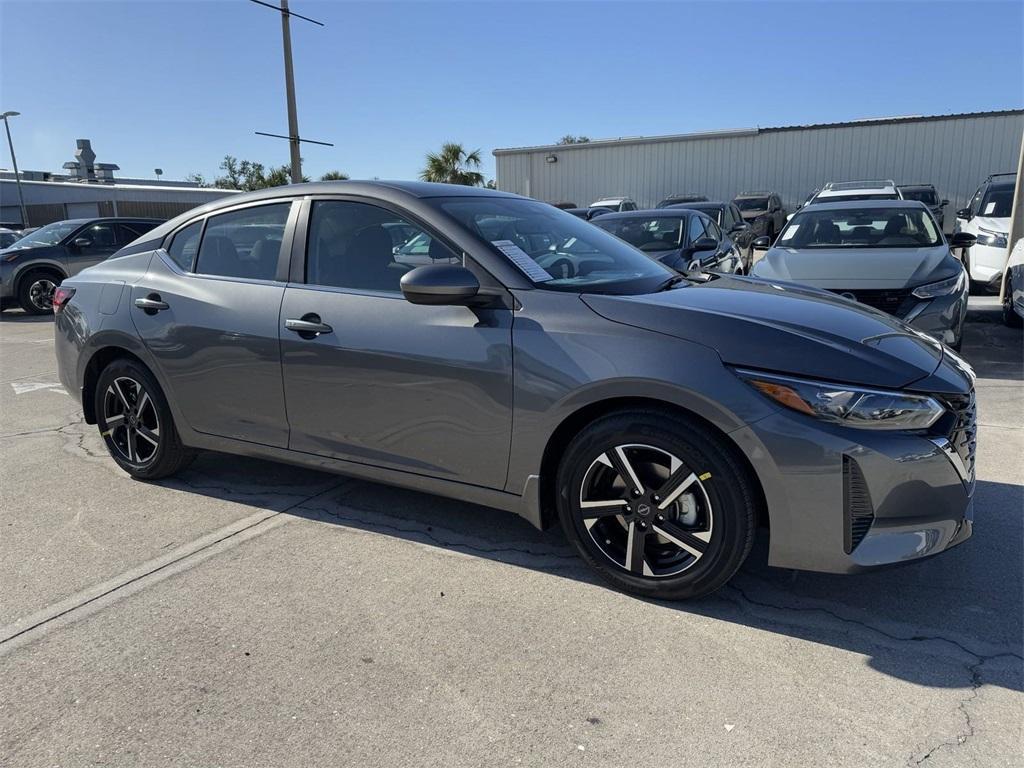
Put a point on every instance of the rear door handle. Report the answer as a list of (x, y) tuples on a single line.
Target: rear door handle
[(151, 304), (308, 326)]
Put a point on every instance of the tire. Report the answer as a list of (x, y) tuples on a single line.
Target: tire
[(687, 549), (136, 424), (35, 291), (1010, 317)]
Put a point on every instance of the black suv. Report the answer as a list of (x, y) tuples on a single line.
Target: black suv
[(34, 266), (763, 211), (730, 220), (925, 193)]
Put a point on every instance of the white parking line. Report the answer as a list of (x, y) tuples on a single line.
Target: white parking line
[(24, 387)]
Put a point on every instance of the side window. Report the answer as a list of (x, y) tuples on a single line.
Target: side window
[(714, 231), (367, 248), (697, 230), (126, 233), (100, 237), (185, 244), (245, 243), (737, 217), (976, 200), (629, 206)]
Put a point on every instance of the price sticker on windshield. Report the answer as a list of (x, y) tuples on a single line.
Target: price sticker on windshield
[(523, 260), (788, 234)]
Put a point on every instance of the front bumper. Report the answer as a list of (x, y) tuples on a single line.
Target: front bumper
[(987, 263), (942, 317), (842, 500)]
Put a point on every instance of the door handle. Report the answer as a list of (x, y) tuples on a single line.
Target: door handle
[(308, 326), (151, 304)]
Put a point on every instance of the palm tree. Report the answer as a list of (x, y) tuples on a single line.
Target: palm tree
[(452, 165), (334, 176)]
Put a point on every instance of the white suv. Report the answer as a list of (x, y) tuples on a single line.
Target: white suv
[(988, 219), (845, 191), (615, 203)]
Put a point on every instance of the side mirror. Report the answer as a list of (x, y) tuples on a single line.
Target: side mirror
[(964, 213), (440, 284), (944, 202), (962, 240), (705, 244), (81, 242), (762, 243)]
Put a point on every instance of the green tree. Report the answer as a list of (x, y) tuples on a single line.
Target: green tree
[(197, 180), (334, 176), (570, 139), (248, 175), (453, 165)]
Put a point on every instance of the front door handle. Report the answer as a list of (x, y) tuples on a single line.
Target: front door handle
[(151, 304), (308, 326)]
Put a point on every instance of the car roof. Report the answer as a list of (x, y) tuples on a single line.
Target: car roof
[(752, 194), (915, 186), (700, 205), (650, 213), (840, 205)]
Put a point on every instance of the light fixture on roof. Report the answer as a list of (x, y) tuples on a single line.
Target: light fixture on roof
[(551, 159)]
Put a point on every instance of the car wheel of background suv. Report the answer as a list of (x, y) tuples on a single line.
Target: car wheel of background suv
[(657, 503), (136, 423), (35, 291), (1010, 317)]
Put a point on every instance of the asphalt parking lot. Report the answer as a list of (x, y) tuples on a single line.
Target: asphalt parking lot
[(251, 614)]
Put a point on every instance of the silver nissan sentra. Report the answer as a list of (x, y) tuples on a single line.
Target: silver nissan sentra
[(530, 361)]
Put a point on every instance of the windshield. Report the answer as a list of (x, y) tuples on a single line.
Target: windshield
[(648, 233), (51, 234), (926, 196), (752, 203), (997, 203), (555, 249), (860, 228)]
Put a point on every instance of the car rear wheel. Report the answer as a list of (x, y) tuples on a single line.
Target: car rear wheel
[(35, 292), (657, 504), (136, 424)]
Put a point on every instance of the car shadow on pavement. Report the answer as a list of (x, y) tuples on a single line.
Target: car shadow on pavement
[(965, 604), (20, 316), (997, 352)]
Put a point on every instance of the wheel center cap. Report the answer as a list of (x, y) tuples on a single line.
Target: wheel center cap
[(643, 509)]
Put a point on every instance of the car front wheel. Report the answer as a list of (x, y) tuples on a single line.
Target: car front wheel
[(1010, 317), (658, 504), (136, 424)]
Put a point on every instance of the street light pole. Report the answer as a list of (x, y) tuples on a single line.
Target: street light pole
[(14, 162)]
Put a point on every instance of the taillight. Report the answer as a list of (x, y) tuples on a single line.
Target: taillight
[(61, 296)]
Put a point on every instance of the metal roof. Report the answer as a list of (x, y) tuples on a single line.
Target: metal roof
[(725, 134)]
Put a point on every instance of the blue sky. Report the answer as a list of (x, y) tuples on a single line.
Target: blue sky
[(178, 85)]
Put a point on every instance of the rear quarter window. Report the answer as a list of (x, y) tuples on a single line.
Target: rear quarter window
[(185, 245)]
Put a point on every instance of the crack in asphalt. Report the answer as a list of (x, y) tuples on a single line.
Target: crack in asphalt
[(974, 668)]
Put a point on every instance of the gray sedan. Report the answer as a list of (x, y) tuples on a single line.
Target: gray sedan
[(536, 364), (887, 254)]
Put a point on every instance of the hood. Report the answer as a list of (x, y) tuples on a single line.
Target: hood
[(866, 268), (787, 329), (992, 224), (33, 251)]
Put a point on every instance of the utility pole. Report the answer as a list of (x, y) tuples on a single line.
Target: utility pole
[(289, 85), (14, 162)]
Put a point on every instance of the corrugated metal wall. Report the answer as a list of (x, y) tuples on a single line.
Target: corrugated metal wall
[(954, 153)]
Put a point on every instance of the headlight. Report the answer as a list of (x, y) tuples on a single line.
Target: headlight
[(992, 239), (954, 284), (850, 406)]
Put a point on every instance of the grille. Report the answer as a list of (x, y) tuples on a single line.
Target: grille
[(894, 302), (963, 435), (858, 510)]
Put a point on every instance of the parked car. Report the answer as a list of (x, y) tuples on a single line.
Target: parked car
[(763, 211), (565, 205), (588, 213), (1013, 287), (554, 371), (683, 239), (987, 217), (681, 197), (807, 201), (33, 266), (615, 203), (846, 191), (925, 193), (730, 220), (890, 255), (8, 237)]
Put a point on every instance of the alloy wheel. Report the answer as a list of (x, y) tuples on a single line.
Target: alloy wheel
[(131, 422), (646, 510), (40, 293)]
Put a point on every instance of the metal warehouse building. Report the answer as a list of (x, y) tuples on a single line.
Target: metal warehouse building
[(953, 152)]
